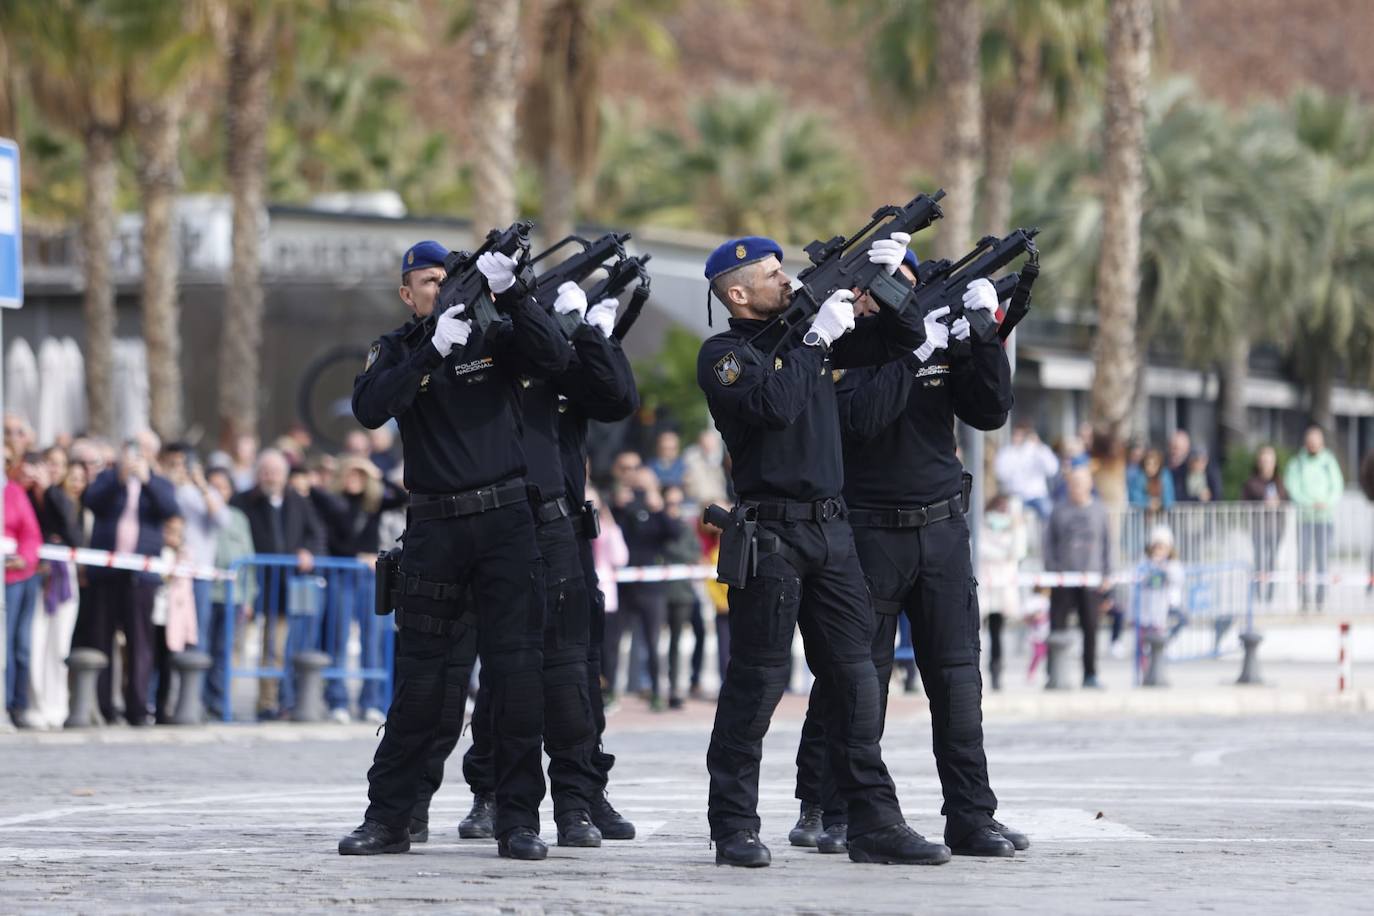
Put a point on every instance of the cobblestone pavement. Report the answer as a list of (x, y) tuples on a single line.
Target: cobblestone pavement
[(1142, 815)]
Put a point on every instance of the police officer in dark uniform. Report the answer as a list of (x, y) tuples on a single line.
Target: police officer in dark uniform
[(571, 735), (777, 413), (455, 395), (907, 496)]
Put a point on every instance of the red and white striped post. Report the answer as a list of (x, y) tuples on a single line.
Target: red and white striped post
[(1345, 670)]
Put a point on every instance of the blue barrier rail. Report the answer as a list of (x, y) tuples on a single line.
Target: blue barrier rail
[(300, 611), (1213, 607)]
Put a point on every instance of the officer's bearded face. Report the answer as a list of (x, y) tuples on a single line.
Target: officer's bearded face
[(420, 288), (767, 288)]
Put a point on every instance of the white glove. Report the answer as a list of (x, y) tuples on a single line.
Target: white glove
[(602, 316), (980, 294), (835, 317), (937, 335), (960, 328), (499, 269), (889, 251), (451, 331), (571, 298)]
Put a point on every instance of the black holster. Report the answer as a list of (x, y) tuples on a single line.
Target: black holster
[(388, 581), (738, 558), (591, 521)]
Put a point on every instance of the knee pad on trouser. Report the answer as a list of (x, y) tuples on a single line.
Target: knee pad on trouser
[(517, 692), (568, 718), (962, 702), (747, 701), (855, 706)]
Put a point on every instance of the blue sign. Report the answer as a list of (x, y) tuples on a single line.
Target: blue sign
[(11, 260)]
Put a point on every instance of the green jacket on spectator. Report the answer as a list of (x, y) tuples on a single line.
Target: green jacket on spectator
[(235, 541), (1312, 480)]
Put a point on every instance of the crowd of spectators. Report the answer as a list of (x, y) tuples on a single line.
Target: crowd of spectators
[(196, 512), (297, 503)]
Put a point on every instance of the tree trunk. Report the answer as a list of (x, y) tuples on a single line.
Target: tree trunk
[(1319, 395), (1116, 358), (492, 102), (240, 348), (158, 134), (1233, 424), (558, 191), (1005, 112), (97, 232), (958, 72)]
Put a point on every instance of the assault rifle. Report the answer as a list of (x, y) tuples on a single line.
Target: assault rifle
[(466, 284), (941, 283), (575, 269), (621, 274), (842, 263)]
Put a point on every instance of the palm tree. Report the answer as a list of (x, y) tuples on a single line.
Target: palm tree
[(956, 64), (170, 45), (1332, 316), (562, 121), (495, 69), (1047, 49), (754, 164), (1116, 354), (77, 71), (264, 39)]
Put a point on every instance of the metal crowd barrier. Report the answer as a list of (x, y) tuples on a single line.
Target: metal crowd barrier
[(1216, 608), (1293, 552), (298, 612)]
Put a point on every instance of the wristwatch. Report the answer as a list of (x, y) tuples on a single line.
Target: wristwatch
[(814, 339)]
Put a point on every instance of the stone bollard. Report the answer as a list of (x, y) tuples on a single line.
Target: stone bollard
[(1154, 674), (85, 666), (1056, 665), (190, 667), (1249, 669), (309, 686)]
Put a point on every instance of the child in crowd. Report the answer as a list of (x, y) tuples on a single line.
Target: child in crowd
[(174, 613), (1036, 611), (1159, 606)]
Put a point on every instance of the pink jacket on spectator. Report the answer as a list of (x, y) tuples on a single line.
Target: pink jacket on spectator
[(609, 553), (21, 526)]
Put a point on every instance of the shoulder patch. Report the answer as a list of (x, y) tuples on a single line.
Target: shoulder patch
[(372, 356), (836, 374), (728, 369)]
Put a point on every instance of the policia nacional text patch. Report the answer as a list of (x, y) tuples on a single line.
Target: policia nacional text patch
[(728, 369)]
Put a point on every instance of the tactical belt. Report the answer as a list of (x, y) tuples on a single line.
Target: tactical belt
[(823, 510), (908, 518), (425, 508), (551, 510)]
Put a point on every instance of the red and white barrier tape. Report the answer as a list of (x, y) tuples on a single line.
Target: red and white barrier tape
[(134, 562)]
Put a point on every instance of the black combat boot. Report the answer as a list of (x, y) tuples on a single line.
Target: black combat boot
[(744, 850), (808, 827), (1016, 837), (479, 824), (521, 843), (897, 845), (575, 828), (609, 821), (834, 839), (373, 838), (419, 831), (985, 841)]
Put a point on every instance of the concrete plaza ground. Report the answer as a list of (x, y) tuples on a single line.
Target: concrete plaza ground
[(1142, 810)]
